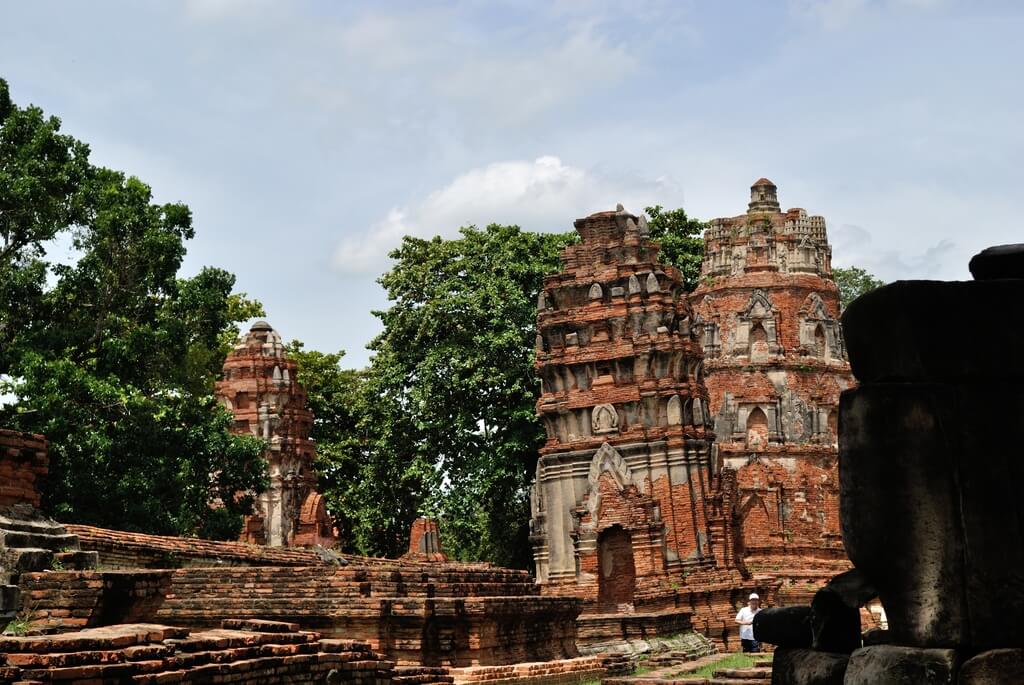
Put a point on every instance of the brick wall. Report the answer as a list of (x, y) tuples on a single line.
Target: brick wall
[(120, 549), (23, 464), (242, 652), (425, 541), (433, 614)]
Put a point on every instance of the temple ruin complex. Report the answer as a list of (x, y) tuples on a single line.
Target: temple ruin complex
[(628, 510), (767, 316), (260, 388)]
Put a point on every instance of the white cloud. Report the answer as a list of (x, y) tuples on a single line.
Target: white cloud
[(542, 195), (853, 246)]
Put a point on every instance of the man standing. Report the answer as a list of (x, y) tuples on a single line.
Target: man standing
[(746, 620)]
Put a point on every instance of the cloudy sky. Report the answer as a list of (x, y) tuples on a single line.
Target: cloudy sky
[(308, 137)]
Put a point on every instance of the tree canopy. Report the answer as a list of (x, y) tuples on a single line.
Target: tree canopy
[(452, 426), (853, 282), (113, 356), (681, 239)]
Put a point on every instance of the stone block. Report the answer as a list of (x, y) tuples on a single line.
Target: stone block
[(8, 598), (930, 508), (807, 667), (876, 636), (918, 314), (835, 627), (835, 612), (995, 667), (1000, 261), (890, 665), (899, 507), (784, 626)]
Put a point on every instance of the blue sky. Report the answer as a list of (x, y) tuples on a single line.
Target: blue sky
[(309, 136)]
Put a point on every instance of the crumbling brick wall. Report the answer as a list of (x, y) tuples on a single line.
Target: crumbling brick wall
[(429, 613), (23, 464)]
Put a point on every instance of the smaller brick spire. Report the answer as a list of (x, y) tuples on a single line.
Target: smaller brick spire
[(763, 197)]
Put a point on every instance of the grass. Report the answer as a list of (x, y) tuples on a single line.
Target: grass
[(21, 623), (730, 661)]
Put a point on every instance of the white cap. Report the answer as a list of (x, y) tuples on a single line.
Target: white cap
[(753, 595)]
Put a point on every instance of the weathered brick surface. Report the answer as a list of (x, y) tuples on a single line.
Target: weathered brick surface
[(558, 672), (260, 388), (152, 654), (433, 614), (630, 513), (425, 542), (767, 313), (120, 549), (23, 463)]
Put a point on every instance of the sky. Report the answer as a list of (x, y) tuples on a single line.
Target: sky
[(309, 137)]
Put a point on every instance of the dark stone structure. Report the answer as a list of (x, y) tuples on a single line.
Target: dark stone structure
[(929, 483)]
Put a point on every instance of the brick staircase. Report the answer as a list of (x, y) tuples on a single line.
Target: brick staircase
[(421, 675), (30, 542), (241, 652)]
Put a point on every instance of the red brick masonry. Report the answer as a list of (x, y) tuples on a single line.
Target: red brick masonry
[(242, 652), (23, 463), (767, 313)]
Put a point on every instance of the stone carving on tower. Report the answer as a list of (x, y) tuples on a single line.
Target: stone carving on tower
[(260, 389), (627, 503), (767, 315)]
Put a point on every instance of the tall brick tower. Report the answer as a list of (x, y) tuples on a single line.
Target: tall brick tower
[(767, 313), (260, 389), (627, 508)]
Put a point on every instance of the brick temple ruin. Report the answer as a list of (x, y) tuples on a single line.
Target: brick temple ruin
[(260, 389), (691, 457), (629, 512), (107, 606), (767, 314)]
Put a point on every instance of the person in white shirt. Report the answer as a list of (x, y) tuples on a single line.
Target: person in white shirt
[(746, 620)]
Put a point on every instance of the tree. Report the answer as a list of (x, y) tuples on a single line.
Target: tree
[(41, 175), (116, 362), (853, 282), (681, 239), (449, 400), (335, 396)]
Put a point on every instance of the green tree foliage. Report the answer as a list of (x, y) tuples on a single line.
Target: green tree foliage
[(448, 404), (336, 398), (41, 175), (854, 282), (114, 360), (681, 239)]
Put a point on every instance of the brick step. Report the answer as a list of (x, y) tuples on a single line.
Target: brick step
[(77, 560), (8, 599), (44, 526), (27, 560), (18, 539), (744, 673), (353, 593), (736, 681)]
